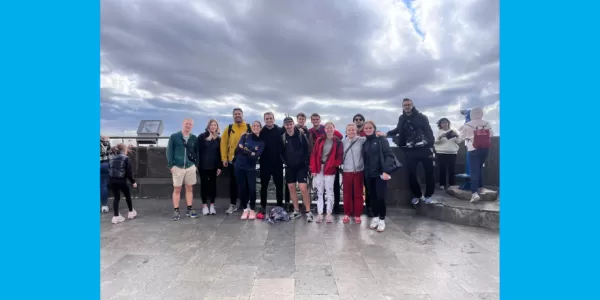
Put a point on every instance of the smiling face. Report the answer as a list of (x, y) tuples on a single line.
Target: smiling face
[(213, 127), (238, 116), (316, 121), (445, 125), (329, 129), (301, 120), (269, 120), (351, 131), (289, 127), (256, 127), (187, 126), (369, 128)]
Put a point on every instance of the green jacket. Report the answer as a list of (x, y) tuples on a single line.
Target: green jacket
[(180, 153)]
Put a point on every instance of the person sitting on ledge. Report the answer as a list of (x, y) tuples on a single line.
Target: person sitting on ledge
[(446, 148), (477, 136)]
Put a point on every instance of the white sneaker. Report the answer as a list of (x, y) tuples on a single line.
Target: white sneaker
[(118, 219), (212, 210), (231, 209), (205, 210), (442, 187), (475, 198), (381, 226), (374, 223), (132, 214), (104, 209)]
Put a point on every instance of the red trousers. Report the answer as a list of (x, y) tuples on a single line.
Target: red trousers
[(353, 193)]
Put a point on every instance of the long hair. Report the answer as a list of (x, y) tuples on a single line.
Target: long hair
[(439, 123), (212, 136)]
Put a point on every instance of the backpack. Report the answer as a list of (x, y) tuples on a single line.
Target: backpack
[(277, 214), (482, 138), (230, 130), (302, 137)]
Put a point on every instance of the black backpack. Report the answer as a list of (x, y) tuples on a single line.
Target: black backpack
[(230, 130)]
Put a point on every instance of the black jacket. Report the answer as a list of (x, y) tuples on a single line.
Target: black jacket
[(372, 150), (412, 128), (208, 153), (271, 157), (295, 150)]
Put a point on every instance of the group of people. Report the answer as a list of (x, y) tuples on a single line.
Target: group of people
[(313, 157)]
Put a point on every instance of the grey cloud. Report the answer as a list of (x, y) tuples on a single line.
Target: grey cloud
[(277, 52)]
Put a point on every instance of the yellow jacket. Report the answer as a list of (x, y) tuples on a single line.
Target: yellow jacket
[(230, 141)]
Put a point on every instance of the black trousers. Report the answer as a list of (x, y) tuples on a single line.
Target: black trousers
[(265, 176), (377, 189), (413, 158), (367, 198), (208, 185), (118, 187), (233, 185), (446, 163)]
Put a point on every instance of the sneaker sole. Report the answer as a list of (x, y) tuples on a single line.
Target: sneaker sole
[(380, 230)]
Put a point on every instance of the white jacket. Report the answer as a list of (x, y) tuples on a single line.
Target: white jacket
[(467, 131), (444, 145)]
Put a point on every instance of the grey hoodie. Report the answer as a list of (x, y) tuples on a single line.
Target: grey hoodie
[(353, 161)]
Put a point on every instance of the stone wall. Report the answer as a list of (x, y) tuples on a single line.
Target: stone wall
[(150, 167)]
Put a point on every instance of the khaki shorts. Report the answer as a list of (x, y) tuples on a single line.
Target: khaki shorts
[(184, 176)]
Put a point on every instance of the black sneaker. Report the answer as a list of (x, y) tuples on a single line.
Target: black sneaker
[(176, 216), (337, 210), (191, 213)]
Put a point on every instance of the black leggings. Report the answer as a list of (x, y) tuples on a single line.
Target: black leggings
[(446, 163), (377, 188), (117, 188), (208, 186)]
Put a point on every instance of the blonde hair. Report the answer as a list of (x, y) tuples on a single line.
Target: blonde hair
[(330, 123), (372, 124), (212, 136), (121, 147), (352, 125)]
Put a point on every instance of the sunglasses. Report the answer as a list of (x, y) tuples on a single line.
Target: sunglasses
[(358, 119)]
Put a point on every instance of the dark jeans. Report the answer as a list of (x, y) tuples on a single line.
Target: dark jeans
[(446, 163), (233, 186), (377, 189), (118, 187), (208, 186), (265, 177), (413, 158), (104, 179), (246, 180), (367, 199), (478, 158)]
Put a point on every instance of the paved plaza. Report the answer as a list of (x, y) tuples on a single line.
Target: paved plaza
[(223, 257)]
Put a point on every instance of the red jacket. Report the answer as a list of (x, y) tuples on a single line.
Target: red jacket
[(333, 161)]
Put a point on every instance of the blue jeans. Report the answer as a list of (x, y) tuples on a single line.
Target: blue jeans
[(478, 158), (104, 183), (246, 180)]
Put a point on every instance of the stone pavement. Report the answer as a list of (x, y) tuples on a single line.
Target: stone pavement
[(222, 257)]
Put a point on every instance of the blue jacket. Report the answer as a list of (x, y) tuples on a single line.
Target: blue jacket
[(246, 158)]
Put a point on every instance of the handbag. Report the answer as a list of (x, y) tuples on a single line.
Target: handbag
[(388, 169)]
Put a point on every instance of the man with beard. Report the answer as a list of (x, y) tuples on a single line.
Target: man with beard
[(229, 142), (271, 164), (314, 133), (415, 136)]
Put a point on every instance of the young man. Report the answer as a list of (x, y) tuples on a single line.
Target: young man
[(295, 156), (181, 161), (271, 164), (229, 141), (359, 121), (415, 136), (301, 118), (315, 132)]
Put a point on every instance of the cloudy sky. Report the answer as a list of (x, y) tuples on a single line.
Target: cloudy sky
[(171, 59)]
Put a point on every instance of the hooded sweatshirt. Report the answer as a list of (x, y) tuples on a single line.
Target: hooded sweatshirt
[(445, 145), (413, 129), (467, 133), (353, 162), (295, 152)]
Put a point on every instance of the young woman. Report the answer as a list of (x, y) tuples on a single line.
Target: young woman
[(374, 150), (353, 176), (249, 149), (209, 165), (325, 158), (477, 136), (119, 170), (446, 147)]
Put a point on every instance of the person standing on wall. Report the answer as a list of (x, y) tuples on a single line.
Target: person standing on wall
[(271, 164), (209, 165), (318, 130), (248, 152), (181, 160), (477, 135), (415, 137), (229, 142), (104, 178), (446, 148)]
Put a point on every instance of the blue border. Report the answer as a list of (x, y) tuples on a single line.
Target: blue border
[(549, 70), (50, 115)]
